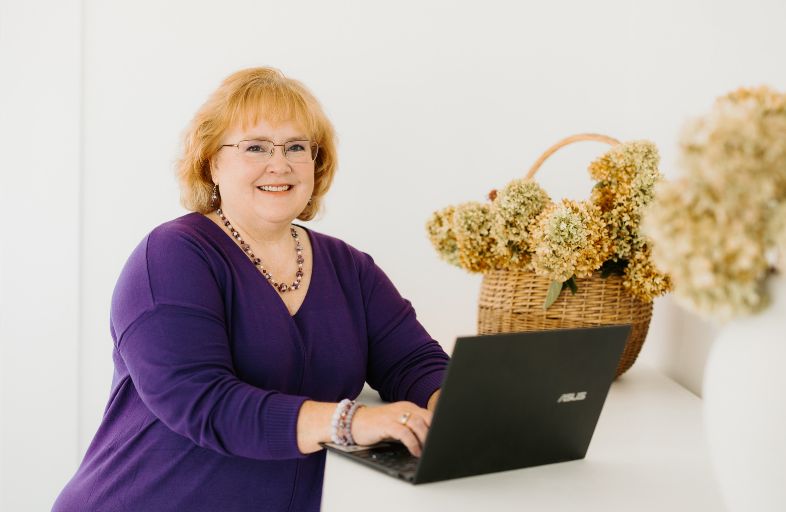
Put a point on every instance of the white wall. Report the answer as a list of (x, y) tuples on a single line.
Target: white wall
[(420, 92), (40, 116)]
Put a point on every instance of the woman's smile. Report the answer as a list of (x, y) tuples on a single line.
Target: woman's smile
[(276, 189)]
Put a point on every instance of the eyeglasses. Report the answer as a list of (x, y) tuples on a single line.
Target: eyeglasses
[(258, 150)]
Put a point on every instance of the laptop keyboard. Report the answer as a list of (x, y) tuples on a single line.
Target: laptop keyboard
[(395, 457)]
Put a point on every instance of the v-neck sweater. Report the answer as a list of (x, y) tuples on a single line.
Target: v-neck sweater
[(210, 372)]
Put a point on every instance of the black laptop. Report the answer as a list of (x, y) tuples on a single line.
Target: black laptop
[(509, 401)]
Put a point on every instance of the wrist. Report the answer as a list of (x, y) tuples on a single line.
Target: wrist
[(357, 422), (341, 422), (313, 425)]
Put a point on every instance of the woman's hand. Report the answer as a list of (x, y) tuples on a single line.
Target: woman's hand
[(432, 402), (402, 421)]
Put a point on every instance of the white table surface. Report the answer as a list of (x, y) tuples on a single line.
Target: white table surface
[(648, 454)]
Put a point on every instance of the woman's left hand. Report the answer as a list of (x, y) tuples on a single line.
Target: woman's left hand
[(399, 421)]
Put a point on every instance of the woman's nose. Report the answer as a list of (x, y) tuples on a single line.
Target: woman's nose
[(278, 162)]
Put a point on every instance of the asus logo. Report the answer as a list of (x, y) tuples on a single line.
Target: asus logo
[(572, 397)]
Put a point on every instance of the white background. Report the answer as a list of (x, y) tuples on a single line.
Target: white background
[(94, 97)]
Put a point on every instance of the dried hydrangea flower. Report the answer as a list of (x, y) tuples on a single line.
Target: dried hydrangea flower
[(740, 142), (716, 259), (776, 236), (440, 232), (512, 211), (642, 279), (570, 238), (626, 176), (472, 227), (712, 230)]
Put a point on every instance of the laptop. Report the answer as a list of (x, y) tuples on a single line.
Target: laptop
[(509, 401)]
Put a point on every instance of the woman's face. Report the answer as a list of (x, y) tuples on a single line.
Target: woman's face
[(241, 173)]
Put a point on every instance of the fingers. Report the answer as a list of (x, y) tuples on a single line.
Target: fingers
[(419, 427), (374, 424), (417, 423), (414, 412), (408, 438), (424, 415)]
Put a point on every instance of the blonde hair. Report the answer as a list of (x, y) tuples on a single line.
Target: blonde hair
[(247, 96)]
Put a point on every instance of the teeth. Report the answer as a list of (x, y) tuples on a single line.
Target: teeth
[(275, 189)]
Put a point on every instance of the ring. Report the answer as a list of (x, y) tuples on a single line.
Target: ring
[(404, 418)]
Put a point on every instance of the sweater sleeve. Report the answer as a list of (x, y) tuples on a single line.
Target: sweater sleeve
[(169, 321), (405, 363)]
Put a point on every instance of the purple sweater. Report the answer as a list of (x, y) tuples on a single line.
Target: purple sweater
[(211, 371)]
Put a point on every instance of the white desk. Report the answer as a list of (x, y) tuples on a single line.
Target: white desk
[(647, 454)]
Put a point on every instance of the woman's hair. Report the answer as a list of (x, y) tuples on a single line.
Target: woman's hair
[(246, 97)]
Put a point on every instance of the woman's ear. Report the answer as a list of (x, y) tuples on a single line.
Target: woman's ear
[(212, 165)]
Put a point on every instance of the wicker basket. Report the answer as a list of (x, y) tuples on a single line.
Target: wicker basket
[(512, 300)]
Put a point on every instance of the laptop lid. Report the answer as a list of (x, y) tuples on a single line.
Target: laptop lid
[(520, 399)]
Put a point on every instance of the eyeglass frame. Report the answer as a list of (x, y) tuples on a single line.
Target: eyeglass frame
[(273, 149)]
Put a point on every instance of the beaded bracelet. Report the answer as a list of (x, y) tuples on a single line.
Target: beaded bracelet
[(355, 406), (341, 408), (341, 423)]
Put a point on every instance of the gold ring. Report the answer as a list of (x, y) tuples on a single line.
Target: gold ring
[(405, 418)]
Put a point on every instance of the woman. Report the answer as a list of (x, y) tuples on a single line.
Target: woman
[(239, 336)]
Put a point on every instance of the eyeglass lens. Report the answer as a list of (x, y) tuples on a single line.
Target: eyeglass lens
[(295, 151)]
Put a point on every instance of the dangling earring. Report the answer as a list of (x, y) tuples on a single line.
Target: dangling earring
[(214, 197)]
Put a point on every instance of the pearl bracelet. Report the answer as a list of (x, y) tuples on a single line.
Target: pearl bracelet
[(341, 423)]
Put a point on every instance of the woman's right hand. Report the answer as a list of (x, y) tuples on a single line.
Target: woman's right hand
[(372, 425)]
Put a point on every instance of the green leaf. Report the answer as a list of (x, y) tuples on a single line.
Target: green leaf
[(571, 283), (553, 294)]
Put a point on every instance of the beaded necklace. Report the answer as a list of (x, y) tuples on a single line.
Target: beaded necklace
[(281, 287)]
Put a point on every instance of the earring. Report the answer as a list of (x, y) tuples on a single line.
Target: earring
[(214, 197)]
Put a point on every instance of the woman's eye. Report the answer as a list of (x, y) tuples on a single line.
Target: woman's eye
[(296, 147), (255, 148)]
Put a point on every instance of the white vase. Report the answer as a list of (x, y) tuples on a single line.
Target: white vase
[(745, 407)]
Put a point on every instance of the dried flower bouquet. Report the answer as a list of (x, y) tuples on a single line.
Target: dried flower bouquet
[(522, 228)]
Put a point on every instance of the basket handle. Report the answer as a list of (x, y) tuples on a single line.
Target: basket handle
[(597, 137)]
